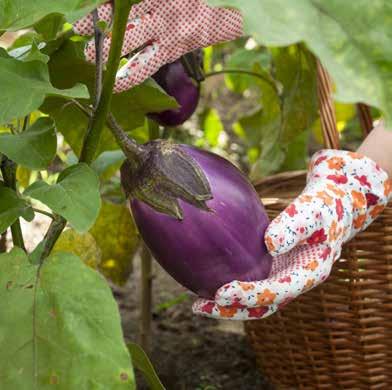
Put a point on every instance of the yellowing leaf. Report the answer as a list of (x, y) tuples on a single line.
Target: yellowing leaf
[(116, 234), (81, 245)]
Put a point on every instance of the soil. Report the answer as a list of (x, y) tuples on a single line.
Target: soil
[(188, 352)]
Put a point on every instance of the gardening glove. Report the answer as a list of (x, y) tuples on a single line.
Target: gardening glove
[(169, 28), (344, 193)]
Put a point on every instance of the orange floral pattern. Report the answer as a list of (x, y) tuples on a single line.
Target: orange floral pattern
[(345, 192), (335, 163), (266, 298), (359, 200)]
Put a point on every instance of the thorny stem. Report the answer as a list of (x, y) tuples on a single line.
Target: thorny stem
[(242, 71), (8, 170), (93, 134)]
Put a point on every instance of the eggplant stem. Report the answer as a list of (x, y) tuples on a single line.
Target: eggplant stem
[(146, 298), (96, 125), (94, 131), (8, 171)]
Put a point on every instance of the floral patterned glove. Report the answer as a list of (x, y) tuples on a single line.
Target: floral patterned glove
[(345, 192), (170, 28)]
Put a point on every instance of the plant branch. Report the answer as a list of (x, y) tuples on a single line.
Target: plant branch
[(93, 135), (94, 131), (98, 37), (8, 170), (243, 71), (146, 298), (128, 145), (43, 213)]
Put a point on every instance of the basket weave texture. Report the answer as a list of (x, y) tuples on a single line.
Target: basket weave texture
[(338, 335)]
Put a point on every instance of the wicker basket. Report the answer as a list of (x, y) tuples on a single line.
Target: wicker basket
[(338, 335)]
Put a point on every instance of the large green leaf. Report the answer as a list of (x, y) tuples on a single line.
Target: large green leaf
[(67, 67), (75, 196), (35, 148), (12, 207), (16, 14), (24, 86), (353, 39), (60, 327)]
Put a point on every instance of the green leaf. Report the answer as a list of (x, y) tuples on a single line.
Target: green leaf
[(27, 84), (49, 26), (142, 362), (35, 148), (245, 60), (12, 207), (353, 39), (296, 153), (16, 14), (108, 163), (67, 67), (75, 196), (212, 126), (118, 239), (286, 111), (60, 327), (29, 53)]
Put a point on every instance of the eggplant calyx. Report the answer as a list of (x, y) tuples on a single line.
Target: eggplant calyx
[(166, 174)]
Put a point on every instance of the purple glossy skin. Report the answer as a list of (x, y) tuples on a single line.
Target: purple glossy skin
[(174, 79), (208, 249)]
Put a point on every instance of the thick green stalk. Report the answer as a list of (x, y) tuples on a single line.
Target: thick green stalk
[(93, 135)]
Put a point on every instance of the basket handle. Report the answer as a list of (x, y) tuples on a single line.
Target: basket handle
[(328, 114)]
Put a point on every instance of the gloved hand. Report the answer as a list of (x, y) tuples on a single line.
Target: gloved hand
[(345, 192), (170, 28)]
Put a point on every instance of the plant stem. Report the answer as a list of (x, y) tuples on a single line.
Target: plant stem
[(153, 130), (55, 229), (146, 298), (132, 150), (242, 71), (128, 145), (8, 170), (43, 213), (93, 135), (98, 37), (3, 242), (26, 122)]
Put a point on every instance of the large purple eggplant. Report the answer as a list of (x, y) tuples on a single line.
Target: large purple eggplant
[(208, 248), (176, 82)]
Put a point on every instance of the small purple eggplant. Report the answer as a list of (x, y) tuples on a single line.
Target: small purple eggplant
[(175, 81), (204, 247)]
